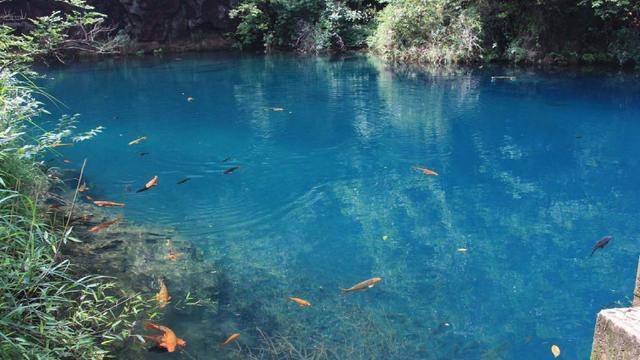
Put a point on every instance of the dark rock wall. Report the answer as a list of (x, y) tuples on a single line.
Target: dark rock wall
[(162, 21)]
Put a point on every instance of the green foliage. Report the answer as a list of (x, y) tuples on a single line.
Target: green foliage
[(428, 31), (306, 25), (47, 311)]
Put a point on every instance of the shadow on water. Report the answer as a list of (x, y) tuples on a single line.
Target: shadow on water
[(488, 260)]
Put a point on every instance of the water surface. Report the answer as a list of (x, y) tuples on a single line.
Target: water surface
[(532, 173)]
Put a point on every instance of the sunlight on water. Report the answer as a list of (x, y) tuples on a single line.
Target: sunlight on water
[(532, 173)]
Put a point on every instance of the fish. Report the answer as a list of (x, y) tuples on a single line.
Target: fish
[(151, 183), (276, 109), (59, 145), (102, 203), (88, 197), (163, 295), (601, 243), (173, 255), (231, 169), (82, 218), (96, 229), (144, 153), (167, 340), (137, 141), (226, 159), (367, 284), (190, 99), (83, 187), (230, 339), (66, 161), (183, 181), (426, 171), (301, 302)]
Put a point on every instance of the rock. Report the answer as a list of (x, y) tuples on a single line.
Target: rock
[(193, 24), (617, 335)]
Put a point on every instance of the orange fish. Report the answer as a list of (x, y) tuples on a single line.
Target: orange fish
[(102, 203), (59, 145), (367, 284), (426, 171), (137, 141), (230, 339), (302, 303), (167, 340), (104, 225), (163, 295), (151, 183), (83, 187), (173, 255)]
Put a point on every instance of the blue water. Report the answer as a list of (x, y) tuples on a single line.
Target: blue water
[(532, 173)]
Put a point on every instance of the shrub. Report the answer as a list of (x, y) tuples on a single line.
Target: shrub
[(427, 31)]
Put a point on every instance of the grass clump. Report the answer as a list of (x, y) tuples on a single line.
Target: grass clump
[(47, 309)]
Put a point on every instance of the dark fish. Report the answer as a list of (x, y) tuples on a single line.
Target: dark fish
[(602, 243), (225, 160), (183, 181), (231, 169), (143, 189), (144, 153), (578, 136)]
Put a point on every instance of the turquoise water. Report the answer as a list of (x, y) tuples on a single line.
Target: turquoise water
[(533, 171)]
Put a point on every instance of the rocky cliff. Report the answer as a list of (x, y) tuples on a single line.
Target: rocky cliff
[(186, 23)]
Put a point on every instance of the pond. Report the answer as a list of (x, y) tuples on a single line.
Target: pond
[(490, 259)]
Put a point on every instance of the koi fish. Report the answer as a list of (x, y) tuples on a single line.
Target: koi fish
[(601, 243), (59, 145), (183, 181), (88, 198), (83, 187), (151, 183), (301, 302), (137, 141), (190, 99), (96, 229), (66, 161), (276, 109), (367, 284), (426, 171), (167, 340), (102, 203), (231, 169), (163, 295), (173, 255), (231, 339)]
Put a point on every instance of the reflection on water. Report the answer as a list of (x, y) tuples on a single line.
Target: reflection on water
[(532, 173)]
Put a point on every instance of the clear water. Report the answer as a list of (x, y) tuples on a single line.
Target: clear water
[(532, 173)]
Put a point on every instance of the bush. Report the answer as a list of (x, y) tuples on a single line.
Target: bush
[(311, 26), (427, 31)]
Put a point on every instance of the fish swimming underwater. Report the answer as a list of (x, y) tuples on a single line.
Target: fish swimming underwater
[(426, 171), (167, 340), (231, 339), (163, 295), (183, 181), (151, 183), (601, 243), (367, 284), (226, 159), (231, 169), (60, 145), (83, 187), (96, 229), (137, 141), (301, 302), (144, 153), (102, 203)]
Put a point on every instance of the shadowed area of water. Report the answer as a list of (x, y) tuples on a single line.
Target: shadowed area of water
[(532, 173)]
